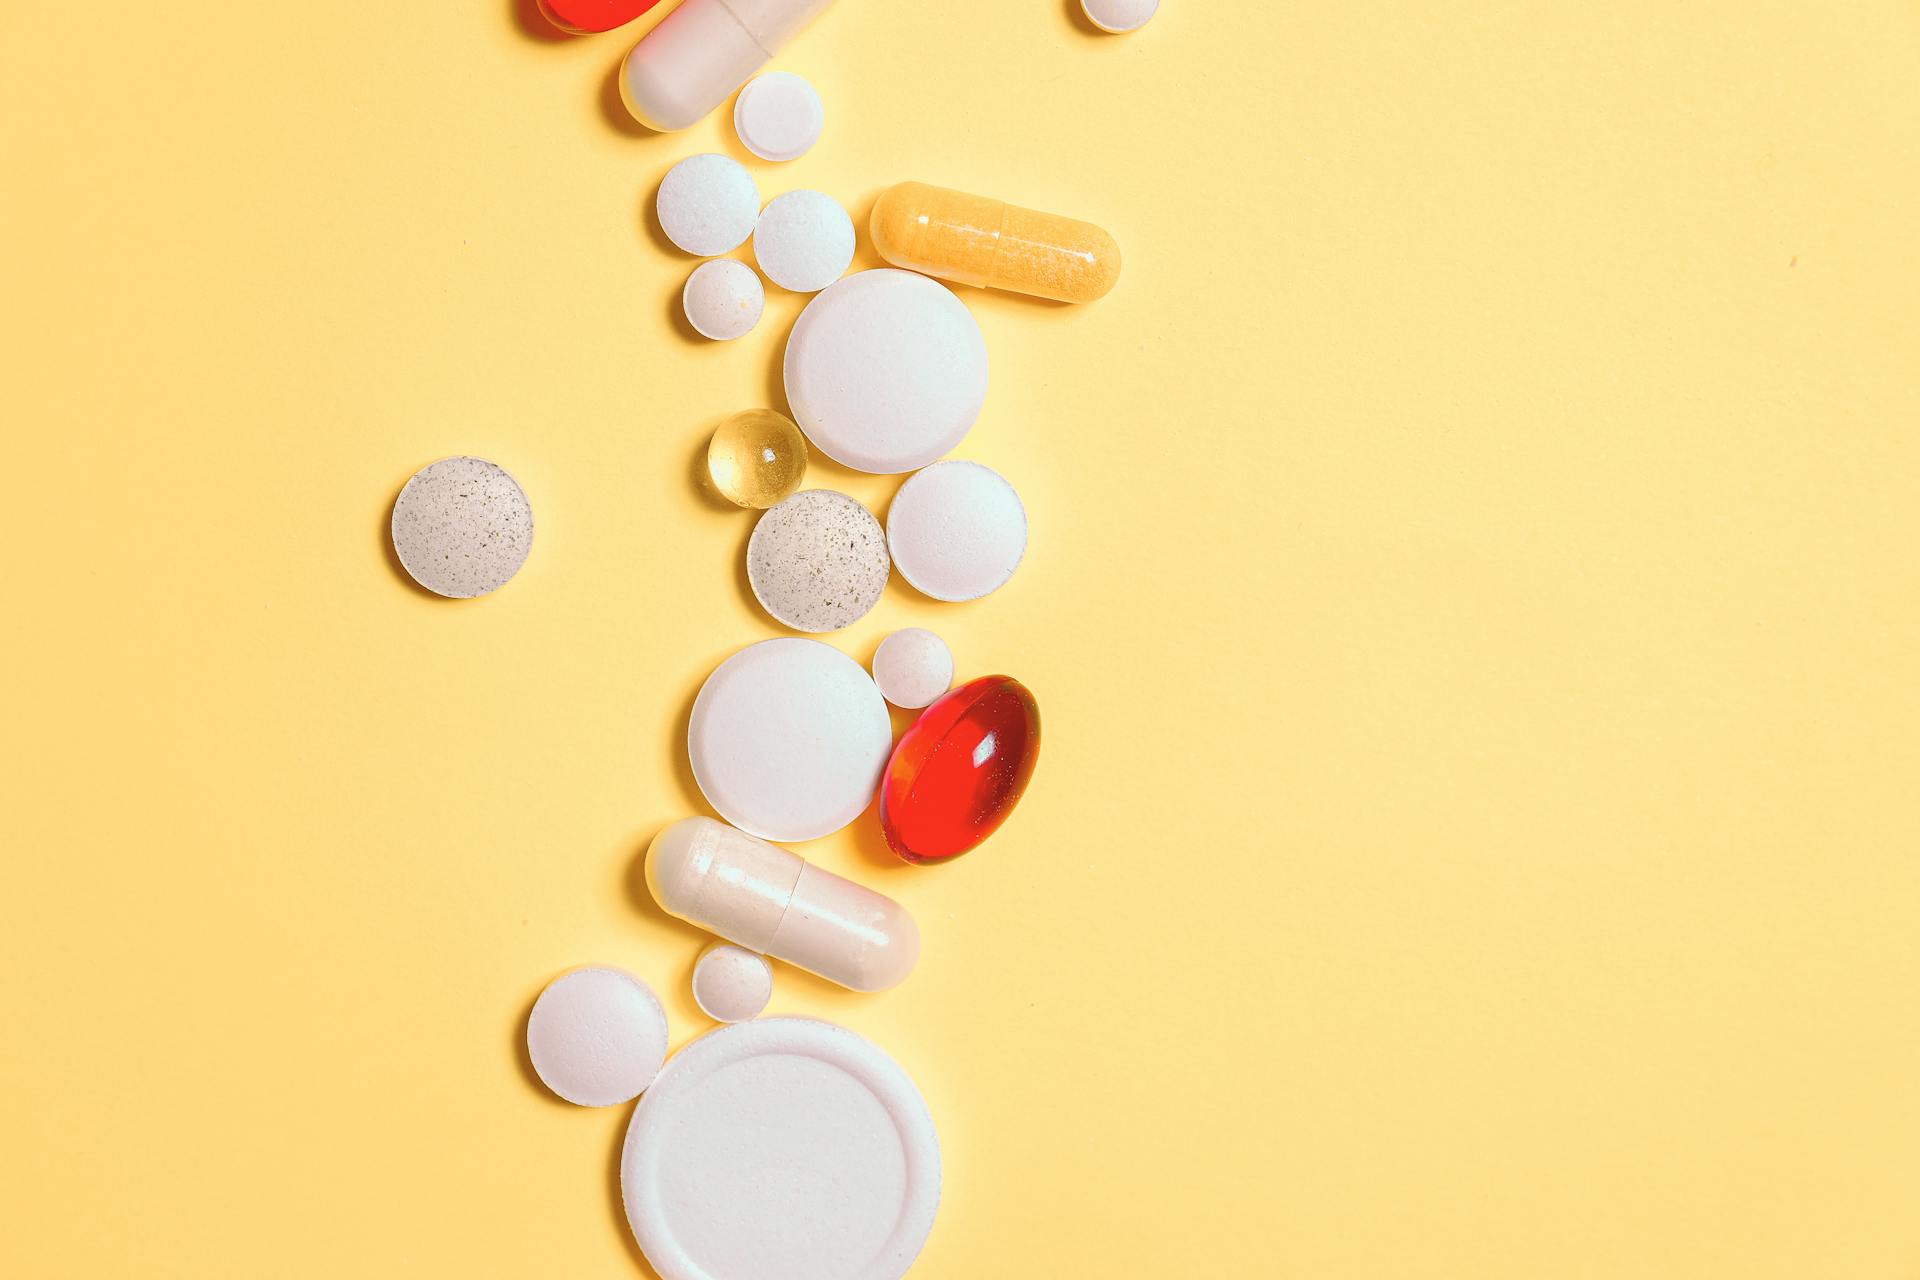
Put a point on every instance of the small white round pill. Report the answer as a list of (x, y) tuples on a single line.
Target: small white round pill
[(723, 299), (817, 561), (1119, 16), (462, 527), (597, 1036), (778, 116), (731, 984), (803, 241), (913, 667), (957, 530), (708, 204)]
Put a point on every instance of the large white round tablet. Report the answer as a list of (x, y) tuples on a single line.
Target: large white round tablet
[(886, 371), (788, 739), (817, 561), (597, 1036), (912, 667), (731, 984), (778, 116), (462, 527), (723, 299), (708, 204), (803, 241), (957, 530), (1119, 16), (781, 1149)]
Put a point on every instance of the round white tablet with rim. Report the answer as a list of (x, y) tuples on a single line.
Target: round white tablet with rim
[(708, 204), (913, 667), (723, 299), (788, 739), (597, 1036), (817, 561), (803, 241), (957, 530), (886, 371), (778, 116), (462, 527), (1119, 16), (781, 1149), (731, 984)]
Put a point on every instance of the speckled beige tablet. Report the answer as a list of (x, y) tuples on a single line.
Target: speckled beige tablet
[(817, 561), (462, 527)]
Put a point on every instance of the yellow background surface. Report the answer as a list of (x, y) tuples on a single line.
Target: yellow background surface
[(1472, 595)]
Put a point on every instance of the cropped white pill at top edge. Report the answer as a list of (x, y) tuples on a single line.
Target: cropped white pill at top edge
[(723, 299), (708, 204), (1119, 16), (597, 1036), (886, 371), (957, 530), (913, 667), (804, 241), (731, 984), (778, 116), (462, 527)]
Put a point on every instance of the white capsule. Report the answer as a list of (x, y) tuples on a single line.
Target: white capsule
[(703, 51), (723, 299), (708, 204), (731, 984)]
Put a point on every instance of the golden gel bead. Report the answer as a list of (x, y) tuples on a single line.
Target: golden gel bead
[(757, 458), (977, 241)]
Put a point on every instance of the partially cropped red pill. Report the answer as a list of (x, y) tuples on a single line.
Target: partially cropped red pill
[(584, 17), (957, 773)]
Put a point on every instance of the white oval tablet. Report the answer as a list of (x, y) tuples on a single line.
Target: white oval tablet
[(817, 561), (886, 371), (723, 299), (731, 984), (708, 204), (1119, 16), (597, 1036), (781, 1149), (788, 738), (462, 527), (957, 530), (803, 241), (912, 667), (778, 116)]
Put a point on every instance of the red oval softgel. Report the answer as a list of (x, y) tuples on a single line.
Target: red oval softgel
[(957, 773), (585, 17)]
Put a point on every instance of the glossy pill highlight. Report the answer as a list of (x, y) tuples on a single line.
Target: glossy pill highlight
[(992, 244), (958, 772)]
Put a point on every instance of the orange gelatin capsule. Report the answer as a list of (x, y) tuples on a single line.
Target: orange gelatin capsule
[(993, 244)]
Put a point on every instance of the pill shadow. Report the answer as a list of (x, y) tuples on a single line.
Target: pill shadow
[(613, 107), (1078, 19), (533, 24), (384, 532)]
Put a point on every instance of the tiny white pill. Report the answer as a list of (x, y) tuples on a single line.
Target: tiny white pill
[(913, 667), (1119, 16), (597, 1036), (778, 116), (803, 241), (731, 984), (462, 527), (723, 299), (957, 530), (708, 204)]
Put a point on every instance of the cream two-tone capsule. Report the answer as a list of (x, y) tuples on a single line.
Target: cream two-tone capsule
[(703, 51)]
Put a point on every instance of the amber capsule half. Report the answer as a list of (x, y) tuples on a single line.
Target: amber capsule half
[(993, 244)]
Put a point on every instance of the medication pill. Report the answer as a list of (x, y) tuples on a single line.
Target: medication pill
[(462, 527), (803, 241), (957, 530), (778, 116), (977, 241), (787, 740), (708, 204), (597, 1036), (757, 457), (585, 17), (781, 1149), (731, 984), (885, 371), (776, 902), (723, 299), (1119, 16), (704, 50), (913, 667), (818, 561), (959, 769)]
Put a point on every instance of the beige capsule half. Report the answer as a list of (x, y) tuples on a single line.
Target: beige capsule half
[(776, 902)]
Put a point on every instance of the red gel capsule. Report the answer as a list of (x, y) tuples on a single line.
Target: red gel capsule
[(958, 772), (585, 17)]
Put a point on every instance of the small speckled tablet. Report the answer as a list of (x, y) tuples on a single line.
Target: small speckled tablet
[(708, 204), (778, 116), (912, 667), (817, 561), (1119, 16), (957, 530), (462, 527), (803, 241), (731, 984), (723, 299), (597, 1036)]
